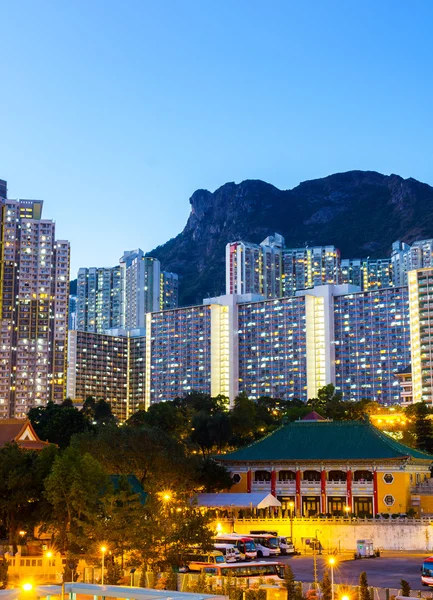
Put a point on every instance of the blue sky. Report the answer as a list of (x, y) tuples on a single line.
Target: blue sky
[(115, 112)]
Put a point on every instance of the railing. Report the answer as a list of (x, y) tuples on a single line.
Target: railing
[(334, 519)]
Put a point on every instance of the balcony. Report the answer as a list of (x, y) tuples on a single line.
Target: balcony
[(336, 487), (362, 487), (310, 487), (286, 486), (261, 486)]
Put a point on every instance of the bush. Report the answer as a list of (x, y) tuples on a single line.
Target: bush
[(405, 588)]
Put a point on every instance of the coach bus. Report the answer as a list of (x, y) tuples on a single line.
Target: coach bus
[(247, 573)]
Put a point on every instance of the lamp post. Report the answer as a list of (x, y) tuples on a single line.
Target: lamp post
[(331, 563), (291, 507), (347, 510), (103, 550), (131, 572)]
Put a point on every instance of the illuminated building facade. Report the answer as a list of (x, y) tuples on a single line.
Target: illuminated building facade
[(372, 343), (304, 268), (178, 353), (169, 290), (109, 367), (271, 345), (421, 329), (255, 268), (34, 295), (98, 299)]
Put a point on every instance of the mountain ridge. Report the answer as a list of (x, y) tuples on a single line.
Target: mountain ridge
[(360, 212)]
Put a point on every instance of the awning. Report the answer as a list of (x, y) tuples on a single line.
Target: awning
[(254, 500)]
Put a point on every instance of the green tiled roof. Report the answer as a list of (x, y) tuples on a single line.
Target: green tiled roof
[(325, 440)]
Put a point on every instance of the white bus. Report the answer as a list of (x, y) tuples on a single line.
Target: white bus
[(244, 543), (267, 544), (248, 573)]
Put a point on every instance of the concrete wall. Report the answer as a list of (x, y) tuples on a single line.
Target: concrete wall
[(387, 534)]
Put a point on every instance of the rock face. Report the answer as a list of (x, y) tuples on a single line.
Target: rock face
[(360, 212)]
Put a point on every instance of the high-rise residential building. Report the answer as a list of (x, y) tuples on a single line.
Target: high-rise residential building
[(372, 343), (109, 367), (352, 271), (376, 273), (98, 299), (405, 258), (304, 268), (255, 268), (285, 348), (169, 290), (72, 319), (34, 293), (421, 332), (141, 283)]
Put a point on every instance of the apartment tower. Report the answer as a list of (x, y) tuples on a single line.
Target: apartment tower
[(34, 285)]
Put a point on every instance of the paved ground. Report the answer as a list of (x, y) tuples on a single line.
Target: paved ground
[(385, 571)]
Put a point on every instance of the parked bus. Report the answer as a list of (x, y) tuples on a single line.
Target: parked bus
[(286, 545), (248, 573), (266, 544), (196, 560), (245, 544), (427, 571), (230, 552)]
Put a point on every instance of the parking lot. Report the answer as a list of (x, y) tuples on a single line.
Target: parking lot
[(386, 571)]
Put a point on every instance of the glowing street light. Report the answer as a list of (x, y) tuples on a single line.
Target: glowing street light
[(103, 550), (345, 598), (331, 562), (347, 510), (27, 587)]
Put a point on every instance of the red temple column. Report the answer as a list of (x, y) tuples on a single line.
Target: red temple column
[(349, 490), (249, 481), (323, 491), (298, 502), (375, 494), (273, 482)]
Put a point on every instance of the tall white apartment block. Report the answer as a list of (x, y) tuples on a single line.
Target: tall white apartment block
[(255, 268), (34, 295), (405, 258), (140, 277)]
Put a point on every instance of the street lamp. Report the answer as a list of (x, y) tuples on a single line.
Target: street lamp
[(347, 510), (331, 562), (291, 507), (103, 550), (131, 572), (345, 598)]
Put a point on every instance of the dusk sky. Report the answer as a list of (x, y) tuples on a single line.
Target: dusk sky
[(114, 113)]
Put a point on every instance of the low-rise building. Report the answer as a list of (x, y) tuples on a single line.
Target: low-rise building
[(331, 467)]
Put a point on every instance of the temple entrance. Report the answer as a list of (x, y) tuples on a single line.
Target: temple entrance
[(363, 506), (336, 505), (310, 506)]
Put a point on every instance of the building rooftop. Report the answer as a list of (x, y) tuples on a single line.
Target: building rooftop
[(325, 440), (20, 431)]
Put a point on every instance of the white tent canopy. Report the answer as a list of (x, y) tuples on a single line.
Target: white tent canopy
[(254, 500)]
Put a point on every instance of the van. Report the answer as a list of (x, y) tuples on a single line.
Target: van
[(196, 560), (230, 552)]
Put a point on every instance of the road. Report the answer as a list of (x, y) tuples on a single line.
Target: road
[(386, 571)]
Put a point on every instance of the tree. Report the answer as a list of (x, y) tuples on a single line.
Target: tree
[(22, 474), (405, 588), (289, 583), (423, 428), (157, 460), (57, 423), (103, 414), (211, 476), (326, 586), (328, 403), (74, 489), (243, 419), (364, 590)]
